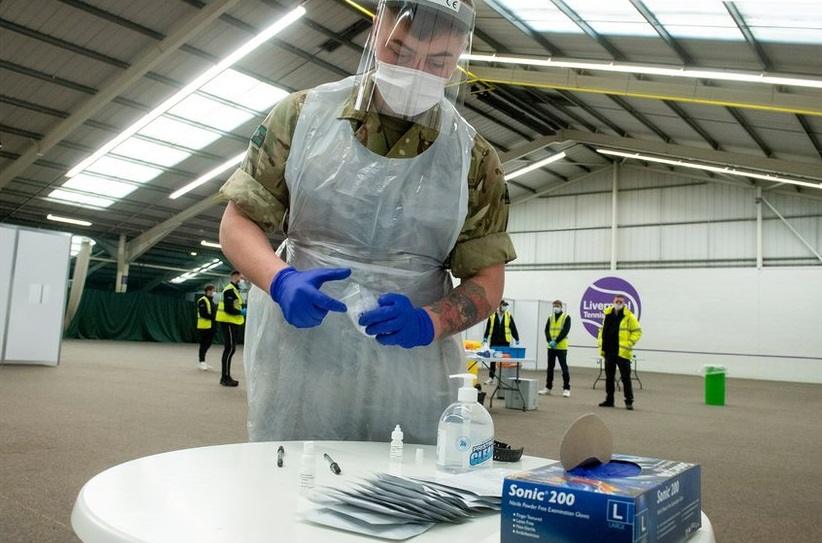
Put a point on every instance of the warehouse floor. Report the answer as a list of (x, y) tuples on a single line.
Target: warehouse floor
[(110, 402)]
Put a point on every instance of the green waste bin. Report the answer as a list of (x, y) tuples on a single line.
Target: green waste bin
[(714, 384)]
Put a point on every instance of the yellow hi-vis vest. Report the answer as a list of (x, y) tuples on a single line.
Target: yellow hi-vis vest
[(506, 321), (629, 333), (222, 316), (555, 327), (204, 324)]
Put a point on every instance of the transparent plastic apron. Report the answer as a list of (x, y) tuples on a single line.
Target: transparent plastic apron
[(393, 222)]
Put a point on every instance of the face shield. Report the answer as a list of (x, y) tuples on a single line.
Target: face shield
[(412, 60)]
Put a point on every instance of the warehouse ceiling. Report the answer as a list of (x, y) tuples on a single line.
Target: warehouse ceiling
[(74, 74)]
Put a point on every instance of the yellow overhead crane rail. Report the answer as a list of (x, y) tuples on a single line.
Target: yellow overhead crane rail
[(522, 78)]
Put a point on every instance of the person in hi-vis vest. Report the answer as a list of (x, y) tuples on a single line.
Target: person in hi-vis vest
[(206, 315), (556, 333), (618, 334), (231, 316), (500, 331)]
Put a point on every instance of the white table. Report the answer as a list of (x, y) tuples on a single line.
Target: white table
[(237, 494), (486, 361)]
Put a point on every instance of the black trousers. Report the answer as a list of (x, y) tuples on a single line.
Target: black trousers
[(612, 362), (493, 370), (206, 338), (231, 333), (562, 355)]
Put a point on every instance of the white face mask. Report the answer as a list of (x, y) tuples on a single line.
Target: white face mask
[(619, 307), (406, 91), (557, 310)]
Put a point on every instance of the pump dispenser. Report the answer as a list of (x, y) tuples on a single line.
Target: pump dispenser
[(465, 436)]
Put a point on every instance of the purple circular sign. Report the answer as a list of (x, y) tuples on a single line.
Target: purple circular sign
[(600, 296)]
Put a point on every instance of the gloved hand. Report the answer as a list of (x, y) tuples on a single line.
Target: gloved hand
[(244, 311), (398, 322), (516, 343), (300, 298), (552, 344)]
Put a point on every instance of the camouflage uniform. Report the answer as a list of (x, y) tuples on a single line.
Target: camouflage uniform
[(259, 188)]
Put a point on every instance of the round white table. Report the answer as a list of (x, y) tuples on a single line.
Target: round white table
[(236, 493)]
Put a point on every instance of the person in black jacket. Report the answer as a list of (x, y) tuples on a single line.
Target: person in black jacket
[(206, 323), (231, 313), (500, 331), (556, 333)]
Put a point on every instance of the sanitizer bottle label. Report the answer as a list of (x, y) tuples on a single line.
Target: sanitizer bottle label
[(482, 453)]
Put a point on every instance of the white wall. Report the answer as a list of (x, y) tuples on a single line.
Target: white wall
[(759, 324), (664, 220)]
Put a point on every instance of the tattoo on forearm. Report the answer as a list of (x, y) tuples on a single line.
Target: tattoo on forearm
[(462, 308)]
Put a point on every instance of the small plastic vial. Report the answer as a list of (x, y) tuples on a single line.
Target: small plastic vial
[(395, 452), (308, 467)]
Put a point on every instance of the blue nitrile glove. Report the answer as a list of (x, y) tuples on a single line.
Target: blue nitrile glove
[(553, 344), (244, 311), (300, 298), (398, 322)]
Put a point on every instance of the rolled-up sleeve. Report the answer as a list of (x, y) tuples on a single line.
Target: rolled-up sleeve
[(258, 187), (484, 240)]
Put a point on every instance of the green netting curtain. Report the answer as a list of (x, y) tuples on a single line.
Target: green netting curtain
[(136, 316)]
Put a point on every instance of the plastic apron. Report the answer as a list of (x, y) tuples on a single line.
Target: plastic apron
[(393, 222)]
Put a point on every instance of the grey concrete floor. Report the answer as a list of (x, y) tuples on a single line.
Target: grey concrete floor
[(110, 402)]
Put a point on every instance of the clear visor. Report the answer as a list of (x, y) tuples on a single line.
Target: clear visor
[(413, 60)]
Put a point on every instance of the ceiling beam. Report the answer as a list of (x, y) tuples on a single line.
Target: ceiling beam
[(806, 127), (520, 25), (675, 46), (772, 165), (589, 31), (641, 118), (763, 98), (146, 60), (740, 119), (761, 56), (559, 186), (571, 97), (148, 239), (682, 114)]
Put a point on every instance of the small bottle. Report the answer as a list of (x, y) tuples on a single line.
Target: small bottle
[(308, 467), (395, 452), (465, 436), (420, 457)]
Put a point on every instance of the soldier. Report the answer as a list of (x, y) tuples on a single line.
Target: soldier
[(378, 182)]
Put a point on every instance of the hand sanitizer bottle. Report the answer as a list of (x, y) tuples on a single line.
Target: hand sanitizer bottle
[(465, 437)]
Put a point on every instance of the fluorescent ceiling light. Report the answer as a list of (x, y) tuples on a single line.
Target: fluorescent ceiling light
[(646, 69), (99, 185), (198, 270), (205, 243), (211, 112), (64, 196), (198, 82), (153, 153), (124, 169), (534, 166), (57, 218), (208, 176), (193, 253), (244, 90), (716, 169), (179, 133)]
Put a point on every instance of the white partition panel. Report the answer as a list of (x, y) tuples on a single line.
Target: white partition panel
[(526, 317), (38, 297), (8, 237)]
